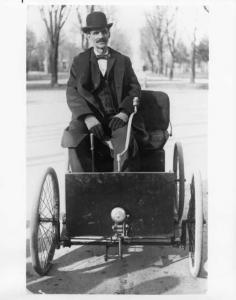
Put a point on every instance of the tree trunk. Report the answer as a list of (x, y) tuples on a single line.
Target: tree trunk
[(193, 58), (172, 66), (161, 59), (193, 65), (27, 67), (150, 60), (161, 69), (166, 69), (53, 64)]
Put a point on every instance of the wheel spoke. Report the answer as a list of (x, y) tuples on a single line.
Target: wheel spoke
[(41, 254), (46, 205), (48, 196), (45, 229), (43, 240), (51, 191), (44, 212), (43, 258), (44, 249), (48, 233), (51, 236), (48, 193), (47, 245)]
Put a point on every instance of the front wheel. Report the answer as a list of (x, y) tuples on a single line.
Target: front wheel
[(195, 225), (45, 224)]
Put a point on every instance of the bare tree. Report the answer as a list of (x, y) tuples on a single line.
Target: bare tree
[(30, 48), (193, 56), (54, 18), (119, 41), (157, 22), (203, 50), (171, 41), (172, 47), (181, 54), (206, 8), (147, 49), (80, 16)]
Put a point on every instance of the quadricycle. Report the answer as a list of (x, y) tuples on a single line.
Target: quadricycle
[(119, 209)]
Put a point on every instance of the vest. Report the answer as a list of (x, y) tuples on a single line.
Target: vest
[(105, 95)]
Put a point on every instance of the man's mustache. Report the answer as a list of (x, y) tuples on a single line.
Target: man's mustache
[(101, 40)]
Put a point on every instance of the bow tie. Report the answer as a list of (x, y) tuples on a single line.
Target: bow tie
[(103, 56)]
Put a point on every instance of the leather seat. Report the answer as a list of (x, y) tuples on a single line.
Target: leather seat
[(155, 109)]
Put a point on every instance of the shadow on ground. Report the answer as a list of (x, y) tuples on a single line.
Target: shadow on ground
[(82, 269), (151, 287)]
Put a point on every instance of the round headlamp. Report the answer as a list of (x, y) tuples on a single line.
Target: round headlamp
[(118, 214)]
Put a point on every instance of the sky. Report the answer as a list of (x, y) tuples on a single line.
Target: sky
[(130, 19)]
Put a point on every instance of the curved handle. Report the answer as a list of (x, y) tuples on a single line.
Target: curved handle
[(92, 151), (136, 103)]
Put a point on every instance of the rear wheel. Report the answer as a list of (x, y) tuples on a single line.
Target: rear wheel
[(45, 224), (178, 169), (195, 225)]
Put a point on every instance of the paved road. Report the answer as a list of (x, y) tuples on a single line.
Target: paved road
[(144, 270)]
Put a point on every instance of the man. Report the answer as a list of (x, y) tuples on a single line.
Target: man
[(100, 94)]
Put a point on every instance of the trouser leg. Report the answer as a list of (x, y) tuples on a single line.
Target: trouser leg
[(74, 162), (80, 158)]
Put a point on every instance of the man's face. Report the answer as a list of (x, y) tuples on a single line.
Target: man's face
[(99, 38)]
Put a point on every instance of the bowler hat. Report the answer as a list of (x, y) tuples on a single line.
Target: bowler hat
[(96, 20)]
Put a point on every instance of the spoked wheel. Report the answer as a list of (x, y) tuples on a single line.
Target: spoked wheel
[(45, 224), (178, 169), (195, 225)]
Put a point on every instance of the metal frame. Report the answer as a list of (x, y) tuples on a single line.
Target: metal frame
[(121, 240)]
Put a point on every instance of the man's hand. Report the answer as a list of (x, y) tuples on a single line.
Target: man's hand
[(94, 126), (98, 131), (118, 121)]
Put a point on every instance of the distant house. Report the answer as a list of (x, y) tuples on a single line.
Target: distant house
[(63, 65)]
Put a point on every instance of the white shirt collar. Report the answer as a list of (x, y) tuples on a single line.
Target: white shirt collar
[(96, 53)]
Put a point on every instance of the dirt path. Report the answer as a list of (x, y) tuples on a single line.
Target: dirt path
[(143, 270)]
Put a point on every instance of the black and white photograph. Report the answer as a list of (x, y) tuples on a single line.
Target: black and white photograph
[(125, 171), (117, 149)]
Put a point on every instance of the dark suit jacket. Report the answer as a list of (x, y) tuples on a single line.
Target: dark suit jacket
[(84, 80)]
